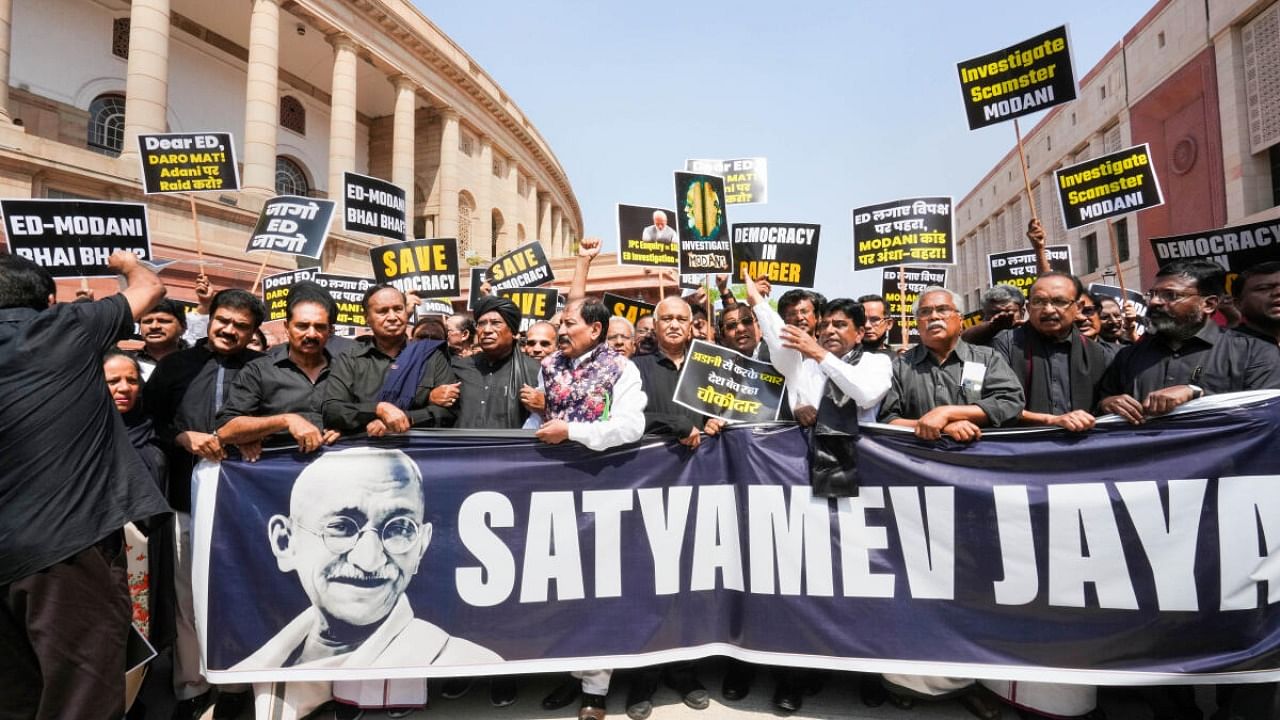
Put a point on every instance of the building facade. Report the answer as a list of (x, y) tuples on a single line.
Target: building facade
[(1199, 80), (308, 88)]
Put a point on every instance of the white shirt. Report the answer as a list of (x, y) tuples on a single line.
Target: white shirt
[(866, 383), (626, 413)]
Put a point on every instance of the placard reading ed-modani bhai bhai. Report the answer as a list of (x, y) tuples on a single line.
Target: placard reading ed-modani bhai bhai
[(1019, 80), (1109, 186), (75, 238), (427, 267), (188, 162), (373, 206), (913, 231)]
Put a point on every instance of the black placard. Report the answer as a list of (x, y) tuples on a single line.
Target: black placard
[(526, 266), (292, 225), (348, 291), (188, 162), (625, 307), (432, 307), (536, 304), (426, 267), (912, 231), (1133, 297), (1235, 248), (641, 242), (899, 300), (473, 291), (746, 180), (75, 238), (718, 381), (275, 290), (702, 224), (1021, 79), (373, 206), (1109, 186), (1020, 269), (786, 253)]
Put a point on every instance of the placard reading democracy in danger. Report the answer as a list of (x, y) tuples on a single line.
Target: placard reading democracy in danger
[(526, 266), (786, 253), (188, 162), (1019, 80), (535, 303), (373, 206), (729, 385), (746, 180), (1115, 184), (703, 227), (647, 237), (427, 267), (625, 307), (293, 225), (74, 238), (275, 290), (900, 295), (913, 231), (1235, 248), (1019, 269), (348, 291)]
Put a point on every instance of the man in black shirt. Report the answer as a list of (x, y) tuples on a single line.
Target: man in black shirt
[(1257, 292), (497, 386), (69, 481), (277, 397), (183, 397), (878, 325), (363, 396), (1185, 355)]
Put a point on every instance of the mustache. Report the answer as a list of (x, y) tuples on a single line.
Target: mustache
[(348, 573), (936, 323)]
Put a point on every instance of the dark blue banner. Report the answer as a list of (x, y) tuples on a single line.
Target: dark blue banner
[(1124, 555)]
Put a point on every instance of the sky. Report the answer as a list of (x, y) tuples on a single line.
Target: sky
[(853, 102)]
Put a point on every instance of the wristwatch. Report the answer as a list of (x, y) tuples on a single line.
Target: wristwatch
[(1197, 392)]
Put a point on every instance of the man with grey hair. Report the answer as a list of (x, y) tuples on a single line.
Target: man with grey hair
[(659, 230), (622, 336), (1004, 307)]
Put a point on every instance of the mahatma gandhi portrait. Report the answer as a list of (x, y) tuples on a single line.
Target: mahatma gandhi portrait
[(355, 536)]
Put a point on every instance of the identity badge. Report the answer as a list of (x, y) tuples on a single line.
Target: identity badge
[(971, 378)]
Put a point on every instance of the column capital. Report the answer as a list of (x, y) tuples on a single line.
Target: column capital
[(400, 81), (341, 41), (267, 2)]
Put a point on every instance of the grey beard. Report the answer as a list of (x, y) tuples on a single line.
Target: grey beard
[(1171, 329)]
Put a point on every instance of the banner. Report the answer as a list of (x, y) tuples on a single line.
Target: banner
[(526, 266), (293, 225), (188, 162), (373, 206), (348, 291), (899, 299), (1119, 556), (726, 384), (701, 222), (75, 238), (1133, 297), (1235, 248), (275, 290), (786, 253), (625, 307), (535, 303), (1021, 79), (427, 267), (647, 237), (913, 231), (1106, 187), (746, 180), (1019, 269)]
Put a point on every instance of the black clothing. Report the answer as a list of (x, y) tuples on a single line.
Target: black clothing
[(68, 476), (1057, 376), (1217, 361), (161, 601), (1251, 331), (662, 415), (920, 385), (275, 385), (184, 393), (355, 378), (491, 391)]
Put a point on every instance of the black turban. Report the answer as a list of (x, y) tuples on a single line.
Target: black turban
[(504, 307)]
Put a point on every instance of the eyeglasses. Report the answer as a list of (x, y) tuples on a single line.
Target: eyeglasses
[(536, 343), (1169, 296), (874, 320), (940, 311), (341, 534), (617, 336), (1057, 303), (735, 324)]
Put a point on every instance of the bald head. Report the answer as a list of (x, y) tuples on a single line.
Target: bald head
[(673, 326)]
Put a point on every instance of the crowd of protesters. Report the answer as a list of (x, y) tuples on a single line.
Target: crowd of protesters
[(94, 470)]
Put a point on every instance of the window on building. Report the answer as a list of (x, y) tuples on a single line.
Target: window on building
[(106, 124), (1048, 142), (120, 37), (1160, 39), (522, 186), (1102, 90), (495, 231), (466, 212), (499, 167), (466, 144), (291, 179), (1090, 252), (1122, 240), (292, 115)]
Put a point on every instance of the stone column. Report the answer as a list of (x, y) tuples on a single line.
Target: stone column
[(6, 32), (484, 200), (402, 140), (342, 115), (262, 98), (557, 231), (448, 225), (147, 82), (542, 233)]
